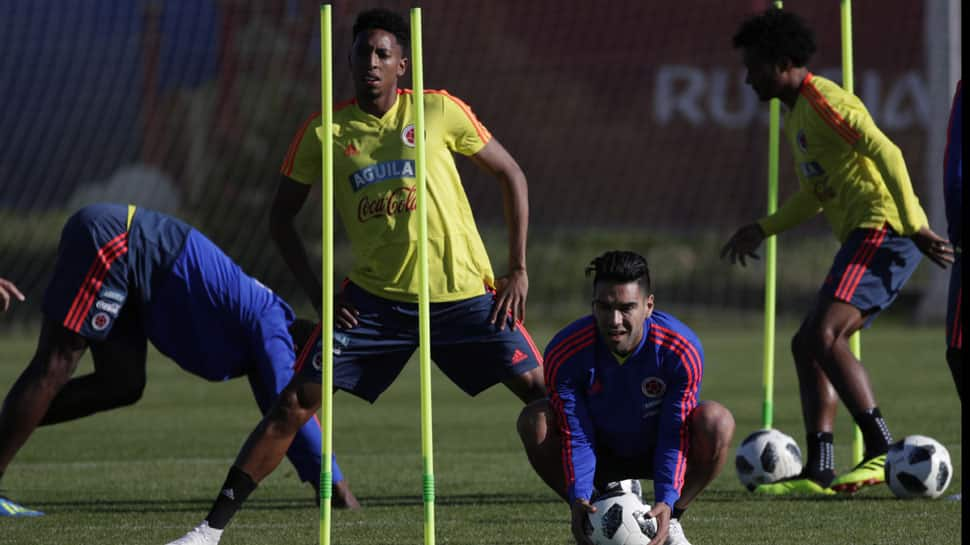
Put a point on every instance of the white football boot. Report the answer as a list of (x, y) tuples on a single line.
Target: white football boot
[(200, 535), (675, 534)]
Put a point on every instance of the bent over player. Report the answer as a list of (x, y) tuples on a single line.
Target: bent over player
[(624, 386), (848, 169), (125, 276)]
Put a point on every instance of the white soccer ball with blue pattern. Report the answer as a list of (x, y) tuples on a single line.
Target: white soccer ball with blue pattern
[(767, 456), (918, 467), (621, 519)]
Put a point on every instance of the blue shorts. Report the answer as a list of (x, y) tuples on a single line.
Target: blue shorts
[(90, 280), (474, 354), (954, 323), (870, 269)]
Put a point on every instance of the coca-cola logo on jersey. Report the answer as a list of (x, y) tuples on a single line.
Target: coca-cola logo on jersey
[(400, 201)]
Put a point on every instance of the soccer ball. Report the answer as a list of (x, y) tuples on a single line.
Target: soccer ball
[(918, 467), (620, 519), (767, 456)]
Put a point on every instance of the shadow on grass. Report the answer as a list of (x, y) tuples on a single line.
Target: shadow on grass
[(190, 505)]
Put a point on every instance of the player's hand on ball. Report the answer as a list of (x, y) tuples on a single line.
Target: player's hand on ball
[(661, 513), (511, 292), (935, 247), (8, 289), (743, 244), (580, 521)]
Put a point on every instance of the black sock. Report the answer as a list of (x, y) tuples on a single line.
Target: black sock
[(954, 359), (234, 492), (820, 463), (677, 513), (875, 432)]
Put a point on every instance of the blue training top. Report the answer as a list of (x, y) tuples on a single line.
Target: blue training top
[(633, 408)]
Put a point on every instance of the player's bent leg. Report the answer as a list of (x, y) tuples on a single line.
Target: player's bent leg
[(711, 427), (259, 456), (56, 358), (528, 386), (119, 375), (540, 437)]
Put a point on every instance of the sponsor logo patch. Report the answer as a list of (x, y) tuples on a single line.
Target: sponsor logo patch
[(388, 170), (108, 306), (100, 321), (113, 295), (653, 387), (811, 169)]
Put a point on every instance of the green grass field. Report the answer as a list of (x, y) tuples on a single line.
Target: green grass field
[(147, 473)]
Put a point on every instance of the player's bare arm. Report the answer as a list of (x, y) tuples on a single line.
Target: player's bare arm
[(289, 200), (512, 289), (743, 244), (8, 290), (933, 246)]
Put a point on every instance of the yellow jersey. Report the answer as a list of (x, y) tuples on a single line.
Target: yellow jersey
[(846, 167), (375, 194)]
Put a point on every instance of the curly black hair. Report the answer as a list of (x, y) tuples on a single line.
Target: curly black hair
[(621, 266), (777, 35), (386, 20)]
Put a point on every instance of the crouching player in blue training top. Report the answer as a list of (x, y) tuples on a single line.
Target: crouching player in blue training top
[(623, 387), (125, 276)]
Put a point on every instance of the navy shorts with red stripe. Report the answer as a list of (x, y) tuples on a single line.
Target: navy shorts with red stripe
[(474, 354), (90, 280), (954, 310), (870, 269)]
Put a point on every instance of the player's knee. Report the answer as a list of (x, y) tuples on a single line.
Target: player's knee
[(532, 422), (713, 424), (288, 413)]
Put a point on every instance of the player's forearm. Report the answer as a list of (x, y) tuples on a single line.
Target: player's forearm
[(797, 209), (515, 196), (291, 247)]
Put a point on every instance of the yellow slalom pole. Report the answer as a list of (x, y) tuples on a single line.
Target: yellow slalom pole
[(855, 342), (325, 133), (771, 266), (424, 308)]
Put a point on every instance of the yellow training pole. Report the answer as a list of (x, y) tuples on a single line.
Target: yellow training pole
[(325, 134), (855, 342), (424, 308), (771, 266)]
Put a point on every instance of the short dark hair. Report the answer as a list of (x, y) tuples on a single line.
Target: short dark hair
[(776, 35), (387, 20), (621, 267)]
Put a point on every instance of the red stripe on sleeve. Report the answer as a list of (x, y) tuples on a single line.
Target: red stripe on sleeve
[(287, 167), (827, 112), (483, 133)]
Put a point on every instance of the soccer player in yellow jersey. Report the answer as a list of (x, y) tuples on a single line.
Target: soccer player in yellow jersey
[(476, 319), (848, 169)]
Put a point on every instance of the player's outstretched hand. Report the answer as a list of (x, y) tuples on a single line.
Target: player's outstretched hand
[(660, 512), (511, 292), (8, 289), (580, 521), (345, 314), (935, 247), (743, 244)]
